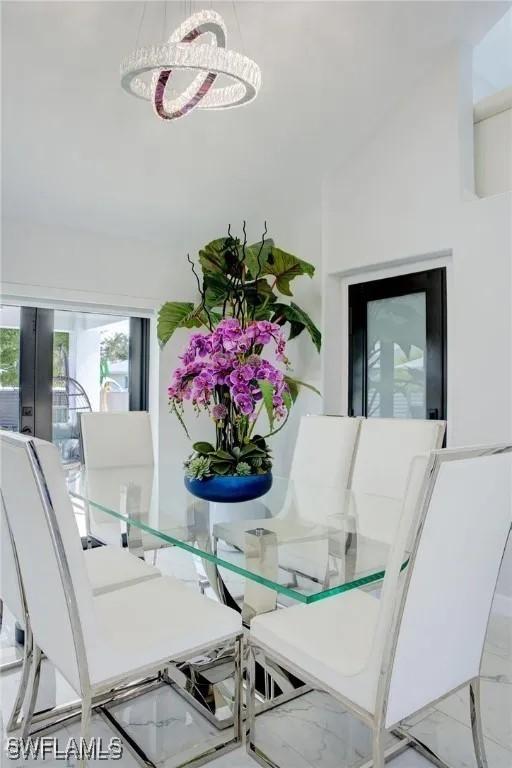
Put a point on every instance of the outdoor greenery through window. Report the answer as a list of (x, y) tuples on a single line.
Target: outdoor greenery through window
[(113, 349), (9, 367), (9, 356)]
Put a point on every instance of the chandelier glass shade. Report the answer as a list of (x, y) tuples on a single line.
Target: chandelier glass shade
[(208, 60)]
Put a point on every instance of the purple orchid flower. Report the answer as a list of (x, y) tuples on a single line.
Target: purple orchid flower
[(244, 403)]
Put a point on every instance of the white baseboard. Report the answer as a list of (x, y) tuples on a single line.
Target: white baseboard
[(502, 604)]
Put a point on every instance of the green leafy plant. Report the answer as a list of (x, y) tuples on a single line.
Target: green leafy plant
[(253, 458), (227, 371), (244, 281), (198, 467)]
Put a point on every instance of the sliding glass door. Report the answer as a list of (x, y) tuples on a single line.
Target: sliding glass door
[(58, 364)]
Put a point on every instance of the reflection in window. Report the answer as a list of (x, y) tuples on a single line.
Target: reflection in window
[(396, 365)]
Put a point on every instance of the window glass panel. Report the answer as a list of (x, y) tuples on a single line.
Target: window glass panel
[(90, 373), (396, 364), (492, 60), (9, 367)]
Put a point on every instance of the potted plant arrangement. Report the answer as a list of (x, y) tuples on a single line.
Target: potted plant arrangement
[(237, 366)]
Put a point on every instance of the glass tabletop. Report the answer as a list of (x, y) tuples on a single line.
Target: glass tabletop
[(306, 541)]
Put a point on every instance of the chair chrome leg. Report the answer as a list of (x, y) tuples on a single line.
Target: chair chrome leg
[(10, 665), (250, 700), (85, 725), (35, 674), (1, 613), (378, 747), (14, 720), (476, 723), (239, 682)]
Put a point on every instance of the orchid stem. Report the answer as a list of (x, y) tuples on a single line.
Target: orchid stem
[(251, 428)]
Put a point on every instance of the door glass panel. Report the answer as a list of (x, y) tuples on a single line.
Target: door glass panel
[(9, 367), (396, 364), (90, 373)]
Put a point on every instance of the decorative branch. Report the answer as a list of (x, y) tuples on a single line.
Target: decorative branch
[(202, 291), (260, 267), (243, 298), (231, 278)]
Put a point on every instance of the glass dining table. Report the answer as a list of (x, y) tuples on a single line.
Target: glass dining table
[(301, 543)]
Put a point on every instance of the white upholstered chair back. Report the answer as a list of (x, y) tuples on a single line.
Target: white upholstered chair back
[(463, 528), (42, 523), (116, 439), (321, 465), (385, 450), (10, 591)]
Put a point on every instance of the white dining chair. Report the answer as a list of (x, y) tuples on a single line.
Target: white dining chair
[(115, 441), (385, 450), (319, 475), (386, 659), (98, 643), (108, 569), (118, 453)]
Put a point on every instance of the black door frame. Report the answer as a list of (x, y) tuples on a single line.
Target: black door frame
[(138, 367), (36, 364), (432, 282), (36, 369)]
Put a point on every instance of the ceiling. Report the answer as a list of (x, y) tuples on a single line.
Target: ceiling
[(78, 151)]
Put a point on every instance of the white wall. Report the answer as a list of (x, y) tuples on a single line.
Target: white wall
[(406, 196), (78, 265)]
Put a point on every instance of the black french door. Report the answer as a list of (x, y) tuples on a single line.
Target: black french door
[(397, 346), (56, 364)]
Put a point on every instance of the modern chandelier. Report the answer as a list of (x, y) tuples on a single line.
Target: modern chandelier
[(183, 53)]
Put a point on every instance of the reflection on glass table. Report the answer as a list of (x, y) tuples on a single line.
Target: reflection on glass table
[(300, 543)]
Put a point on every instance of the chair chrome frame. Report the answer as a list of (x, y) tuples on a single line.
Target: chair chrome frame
[(99, 695), (14, 721), (376, 721)]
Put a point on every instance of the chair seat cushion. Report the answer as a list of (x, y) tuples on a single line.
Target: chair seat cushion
[(112, 568), (332, 641), (153, 622)]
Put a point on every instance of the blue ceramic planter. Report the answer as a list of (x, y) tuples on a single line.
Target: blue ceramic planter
[(230, 488)]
